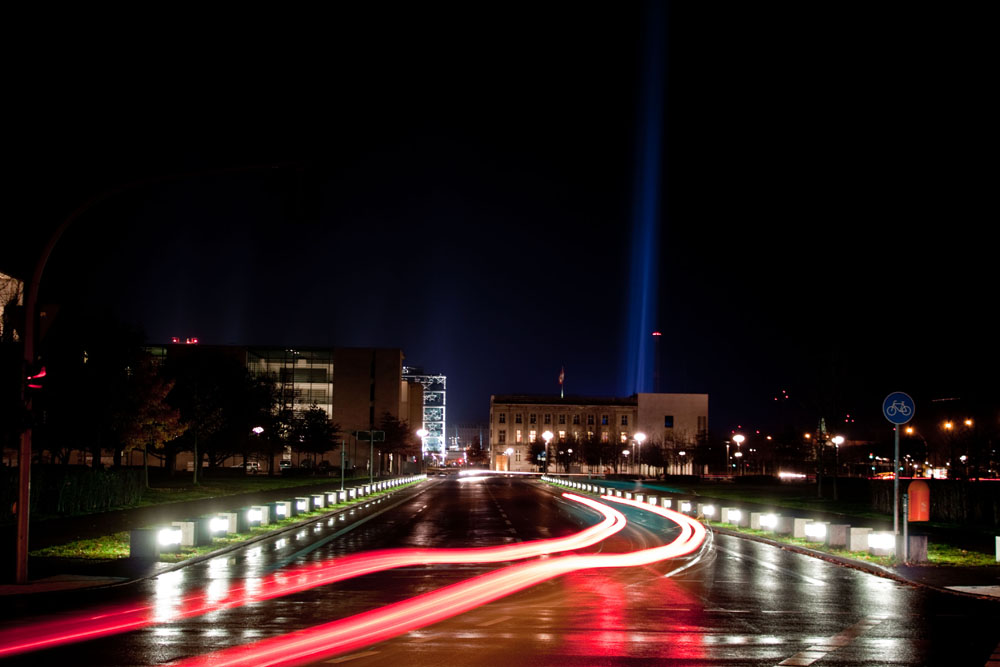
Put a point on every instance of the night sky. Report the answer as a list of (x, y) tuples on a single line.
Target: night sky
[(459, 181)]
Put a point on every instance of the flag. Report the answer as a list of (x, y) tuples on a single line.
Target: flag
[(562, 374)]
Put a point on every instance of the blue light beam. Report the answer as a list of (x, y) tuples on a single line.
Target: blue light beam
[(643, 268)]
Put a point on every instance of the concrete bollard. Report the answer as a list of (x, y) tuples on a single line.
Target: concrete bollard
[(319, 501), (666, 502), (264, 514), (785, 525), (651, 500), (707, 510), (639, 497), (302, 504), (838, 535), (142, 544), (352, 493), (882, 544), (858, 539), (281, 509), (815, 531), (685, 507), (628, 495), (195, 532), (917, 552), (799, 528)]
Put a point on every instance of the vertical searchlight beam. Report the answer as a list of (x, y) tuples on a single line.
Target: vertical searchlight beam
[(643, 289)]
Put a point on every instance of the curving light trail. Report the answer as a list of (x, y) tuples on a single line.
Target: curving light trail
[(104, 622), (380, 624)]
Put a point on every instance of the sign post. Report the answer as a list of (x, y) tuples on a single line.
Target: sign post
[(898, 408)]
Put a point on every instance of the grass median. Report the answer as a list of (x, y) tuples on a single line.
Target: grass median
[(116, 546)]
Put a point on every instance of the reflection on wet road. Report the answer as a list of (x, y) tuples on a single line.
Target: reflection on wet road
[(746, 603)]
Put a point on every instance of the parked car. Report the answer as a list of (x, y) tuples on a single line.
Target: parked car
[(284, 464), (253, 467)]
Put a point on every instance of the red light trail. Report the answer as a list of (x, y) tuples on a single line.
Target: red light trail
[(380, 624), (100, 623)]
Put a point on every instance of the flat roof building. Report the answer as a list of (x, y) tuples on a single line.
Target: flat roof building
[(591, 434)]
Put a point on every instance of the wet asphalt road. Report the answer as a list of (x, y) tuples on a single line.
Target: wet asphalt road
[(741, 603)]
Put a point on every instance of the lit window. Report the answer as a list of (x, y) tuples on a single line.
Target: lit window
[(624, 436), (562, 436), (532, 436), (605, 437), (517, 435)]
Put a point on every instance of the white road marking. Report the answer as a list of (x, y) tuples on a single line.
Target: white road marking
[(820, 651), (353, 656)]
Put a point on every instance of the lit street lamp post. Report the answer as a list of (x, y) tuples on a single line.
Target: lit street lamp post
[(509, 452), (738, 439), (639, 439), (837, 441), (625, 464), (547, 436)]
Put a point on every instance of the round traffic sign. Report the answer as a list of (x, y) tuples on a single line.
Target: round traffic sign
[(898, 407)]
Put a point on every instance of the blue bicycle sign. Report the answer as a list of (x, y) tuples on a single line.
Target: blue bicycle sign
[(898, 407)]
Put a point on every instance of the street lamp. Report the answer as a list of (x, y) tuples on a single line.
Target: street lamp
[(837, 441), (547, 436), (625, 454), (639, 438), (738, 439)]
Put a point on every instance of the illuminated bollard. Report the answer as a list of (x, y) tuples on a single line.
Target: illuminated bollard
[(815, 531), (685, 507), (342, 496), (731, 515), (628, 495), (618, 493), (785, 526), (881, 544), (799, 528), (331, 498), (352, 493), (319, 501), (858, 539), (302, 504), (764, 521), (265, 514), (281, 509), (651, 500), (168, 539), (249, 518), (639, 497), (707, 510), (666, 502)]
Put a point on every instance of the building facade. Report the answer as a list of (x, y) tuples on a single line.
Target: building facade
[(356, 387), (671, 423), (435, 400)]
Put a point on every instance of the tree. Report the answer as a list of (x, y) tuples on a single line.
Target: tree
[(147, 421), (400, 440), (314, 432)]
